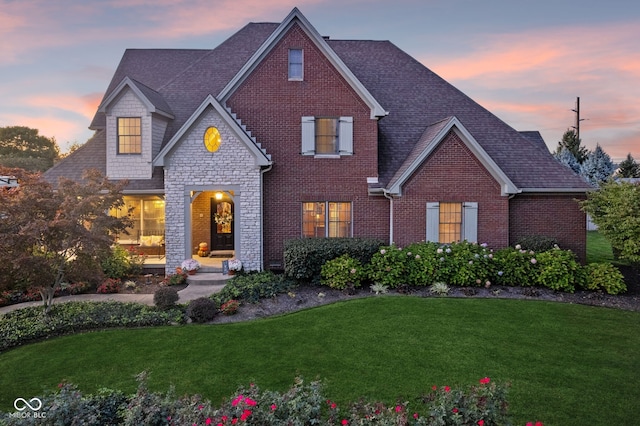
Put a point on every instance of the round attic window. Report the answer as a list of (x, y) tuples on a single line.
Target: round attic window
[(212, 139)]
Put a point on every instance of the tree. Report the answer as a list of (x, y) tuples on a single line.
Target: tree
[(615, 208), (565, 157), (571, 142), (42, 230), (629, 168), (598, 167), (24, 148)]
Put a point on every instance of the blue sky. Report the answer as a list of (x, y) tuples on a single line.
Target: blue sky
[(524, 61)]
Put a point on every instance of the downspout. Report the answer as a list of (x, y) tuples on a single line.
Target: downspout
[(262, 172), (390, 198)]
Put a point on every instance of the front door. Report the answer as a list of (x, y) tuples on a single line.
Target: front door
[(222, 224)]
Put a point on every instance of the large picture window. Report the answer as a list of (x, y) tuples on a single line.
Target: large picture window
[(147, 216), (129, 135), (326, 219)]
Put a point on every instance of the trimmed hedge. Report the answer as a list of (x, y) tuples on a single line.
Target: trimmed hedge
[(30, 324), (303, 258)]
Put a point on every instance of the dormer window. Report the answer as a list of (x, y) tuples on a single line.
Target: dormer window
[(295, 64), (129, 135)]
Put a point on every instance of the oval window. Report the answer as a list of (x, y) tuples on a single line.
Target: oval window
[(212, 139)]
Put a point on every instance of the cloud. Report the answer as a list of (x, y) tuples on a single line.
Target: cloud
[(532, 78)]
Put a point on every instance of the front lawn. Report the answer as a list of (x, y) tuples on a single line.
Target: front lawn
[(567, 364)]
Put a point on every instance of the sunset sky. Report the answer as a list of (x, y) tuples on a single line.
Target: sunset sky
[(524, 61)]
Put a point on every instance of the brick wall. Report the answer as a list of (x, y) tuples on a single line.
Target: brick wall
[(452, 174), (272, 108), (557, 216)]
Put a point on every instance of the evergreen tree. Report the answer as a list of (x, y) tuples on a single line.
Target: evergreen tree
[(571, 142), (629, 168), (598, 167), (566, 158)]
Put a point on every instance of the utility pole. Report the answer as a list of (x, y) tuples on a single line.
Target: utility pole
[(578, 119)]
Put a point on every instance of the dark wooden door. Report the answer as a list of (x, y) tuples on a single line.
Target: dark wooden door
[(222, 224)]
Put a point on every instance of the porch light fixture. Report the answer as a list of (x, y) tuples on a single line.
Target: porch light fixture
[(218, 196)]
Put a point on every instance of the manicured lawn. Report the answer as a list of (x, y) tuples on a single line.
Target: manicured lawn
[(568, 364), (598, 248)]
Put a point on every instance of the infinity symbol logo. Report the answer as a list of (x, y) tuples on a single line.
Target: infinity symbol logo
[(37, 404)]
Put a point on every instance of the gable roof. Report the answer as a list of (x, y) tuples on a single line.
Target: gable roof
[(295, 17), (153, 101), (260, 155), (430, 139), (412, 95)]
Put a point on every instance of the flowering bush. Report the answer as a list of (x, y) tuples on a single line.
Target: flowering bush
[(464, 264), (388, 266), (515, 267), (230, 307), (190, 265), (110, 285), (342, 272)]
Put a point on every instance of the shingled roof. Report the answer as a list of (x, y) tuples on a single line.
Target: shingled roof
[(415, 97)]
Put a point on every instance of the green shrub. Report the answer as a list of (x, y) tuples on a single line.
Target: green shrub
[(342, 272), (388, 266), (605, 277), (537, 243), (165, 297), (303, 258), (202, 310), (559, 270), (29, 324), (253, 286), (175, 279), (464, 264), (116, 264), (421, 263), (515, 267)]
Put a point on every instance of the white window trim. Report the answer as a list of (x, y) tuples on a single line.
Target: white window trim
[(297, 78), (345, 137), (469, 229)]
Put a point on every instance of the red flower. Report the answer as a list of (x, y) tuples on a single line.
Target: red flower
[(539, 424), (208, 421), (344, 422), (485, 381), (250, 402), (480, 422), (398, 408), (455, 410), (415, 416), (273, 407), (447, 389), (434, 387)]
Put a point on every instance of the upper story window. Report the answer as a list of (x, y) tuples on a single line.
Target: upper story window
[(327, 137), (295, 64), (129, 135)]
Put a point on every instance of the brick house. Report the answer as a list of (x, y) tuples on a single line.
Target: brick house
[(280, 133)]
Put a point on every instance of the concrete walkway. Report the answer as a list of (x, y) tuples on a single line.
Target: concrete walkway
[(193, 291)]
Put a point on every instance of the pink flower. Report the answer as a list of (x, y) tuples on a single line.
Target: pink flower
[(447, 389), (398, 408), (234, 421), (539, 424), (344, 422), (237, 401), (485, 380), (200, 407), (273, 407), (434, 387), (333, 405), (534, 261), (245, 415), (225, 418), (415, 416), (480, 422), (250, 402), (455, 410), (529, 424), (208, 421)]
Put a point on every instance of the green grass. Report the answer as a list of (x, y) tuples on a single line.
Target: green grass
[(568, 364), (598, 248)]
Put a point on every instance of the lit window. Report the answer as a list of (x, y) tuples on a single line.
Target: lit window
[(129, 135), (295, 64), (326, 219), (326, 135), (450, 222), (146, 214)]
